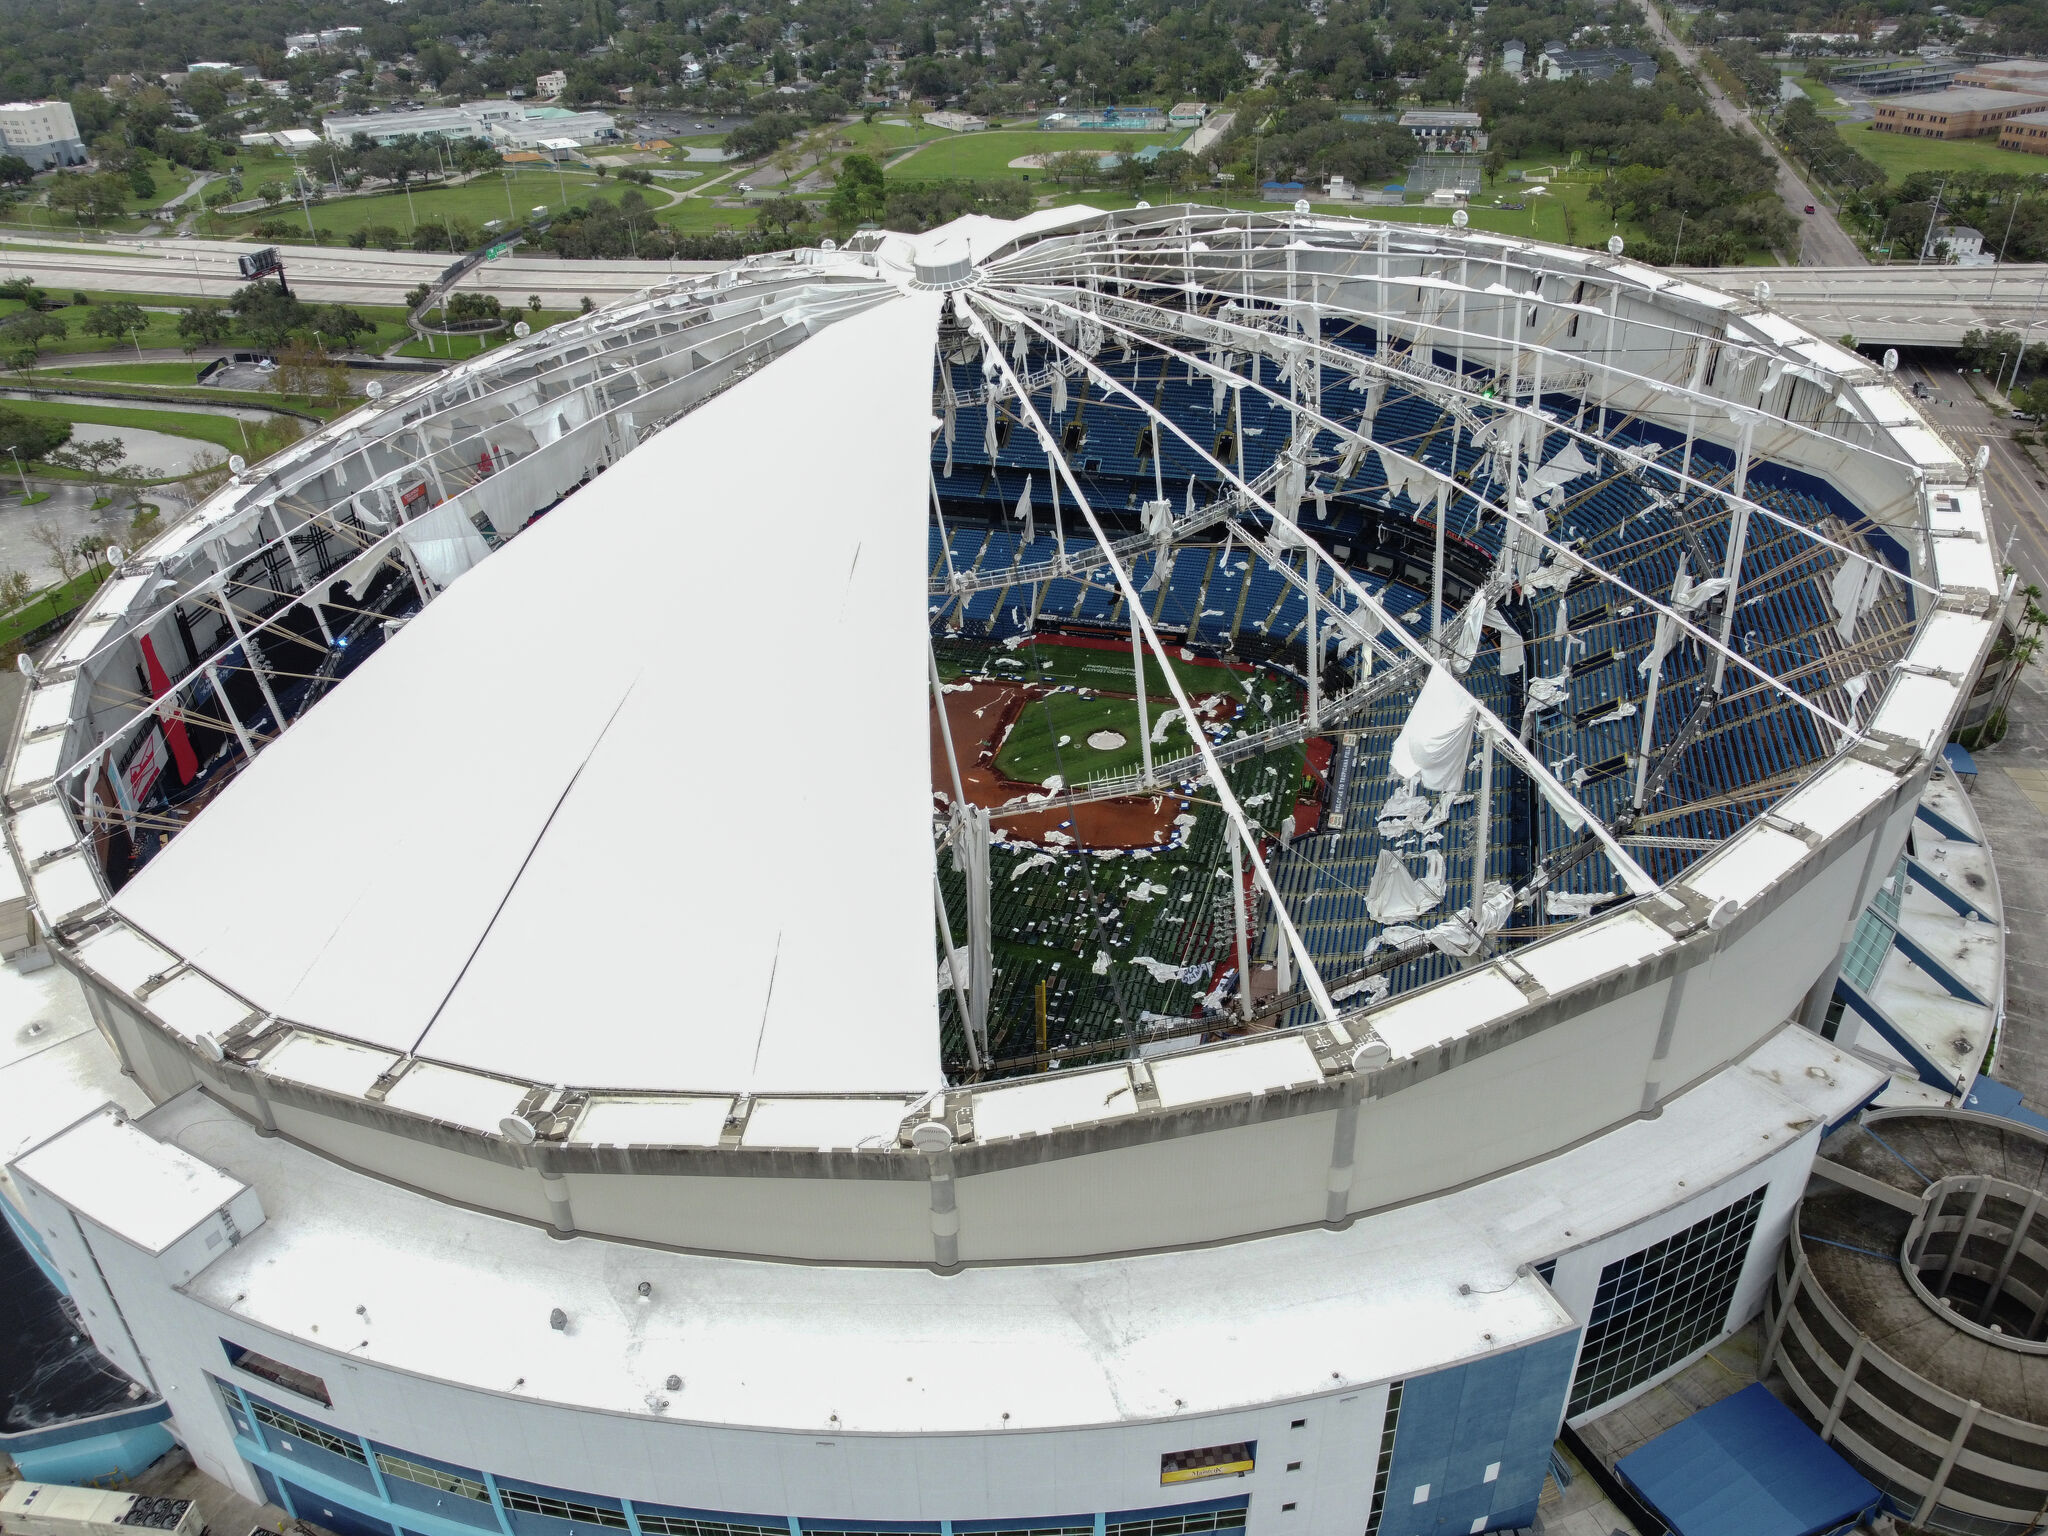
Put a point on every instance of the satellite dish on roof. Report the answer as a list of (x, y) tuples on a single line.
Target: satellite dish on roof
[(521, 329), (1891, 359), (1301, 205), (1143, 204), (931, 1137), (518, 1130), (210, 1048), (1460, 218), (374, 389), (1615, 245), (25, 664), (236, 463)]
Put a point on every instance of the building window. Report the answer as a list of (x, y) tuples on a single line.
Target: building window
[(1386, 1462), (301, 1383), (1180, 1525), (313, 1434), (1658, 1305), (432, 1477), (562, 1509), (681, 1525)]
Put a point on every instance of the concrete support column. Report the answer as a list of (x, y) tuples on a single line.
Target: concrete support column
[(1841, 1397), (1948, 1464), (1777, 1334), (935, 1141)]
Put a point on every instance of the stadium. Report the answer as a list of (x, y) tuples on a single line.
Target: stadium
[(1125, 873)]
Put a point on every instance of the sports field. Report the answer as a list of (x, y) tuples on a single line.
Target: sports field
[(1901, 155), (986, 156), (1051, 736)]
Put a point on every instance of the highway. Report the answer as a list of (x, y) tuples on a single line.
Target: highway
[(181, 268), (1896, 306), (1893, 306)]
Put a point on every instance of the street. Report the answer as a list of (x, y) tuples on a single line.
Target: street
[(1823, 242)]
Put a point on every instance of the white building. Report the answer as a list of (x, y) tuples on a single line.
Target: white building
[(44, 133), (326, 40), (505, 124), (462, 1162), (551, 84), (956, 122)]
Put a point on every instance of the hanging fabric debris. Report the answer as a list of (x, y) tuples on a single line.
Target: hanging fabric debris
[(1059, 391), (1510, 642), (1395, 894), (1464, 638), (1436, 738), (1024, 515), (1219, 386), (1568, 904), (988, 430), (1191, 496), (1855, 588)]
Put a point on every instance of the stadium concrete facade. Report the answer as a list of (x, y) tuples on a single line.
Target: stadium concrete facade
[(496, 841)]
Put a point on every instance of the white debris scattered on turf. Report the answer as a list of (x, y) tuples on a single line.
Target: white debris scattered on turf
[(1147, 889), (1259, 799), (1058, 838), (1166, 970), (1036, 861), (1101, 966), (1014, 641), (1054, 783), (1183, 820), (1159, 726), (965, 686)]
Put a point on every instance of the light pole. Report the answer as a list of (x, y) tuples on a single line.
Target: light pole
[(15, 454)]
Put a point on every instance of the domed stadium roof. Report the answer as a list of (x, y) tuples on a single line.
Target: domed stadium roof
[(1306, 657)]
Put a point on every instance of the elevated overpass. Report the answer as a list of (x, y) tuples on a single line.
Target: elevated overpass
[(1895, 306)]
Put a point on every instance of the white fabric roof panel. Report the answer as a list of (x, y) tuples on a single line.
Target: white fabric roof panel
[(611, 850)]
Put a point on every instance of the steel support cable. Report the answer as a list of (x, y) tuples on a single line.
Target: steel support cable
[(1631, 872), (1684, 624), (1353, 362), (1216, 775)]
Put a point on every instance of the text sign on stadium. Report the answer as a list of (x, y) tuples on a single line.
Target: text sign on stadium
[(147, 763), (1210, 1461)]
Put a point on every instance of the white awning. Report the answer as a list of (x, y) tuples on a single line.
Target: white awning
[(596, 816)]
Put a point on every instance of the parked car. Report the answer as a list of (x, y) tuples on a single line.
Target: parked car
[(1809, 207)]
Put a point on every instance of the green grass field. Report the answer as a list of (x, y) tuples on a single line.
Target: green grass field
[(1901, 155), (186, 374), (1051, 737), (506, 197), (222, 431), (986, 156)]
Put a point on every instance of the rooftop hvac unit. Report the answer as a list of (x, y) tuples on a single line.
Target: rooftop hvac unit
[(52, 1509)]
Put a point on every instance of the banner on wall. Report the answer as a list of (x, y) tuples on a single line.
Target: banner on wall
[(1210, 1461), (146, 765)]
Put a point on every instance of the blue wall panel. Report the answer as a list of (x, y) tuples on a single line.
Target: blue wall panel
[(333, 1514), (114, 1456), (1456, 1424)]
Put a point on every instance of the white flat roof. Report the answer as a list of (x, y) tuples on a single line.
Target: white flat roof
[(145, 1190), (581, 820), (465, 1297)]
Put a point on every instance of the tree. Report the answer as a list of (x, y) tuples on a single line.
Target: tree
[(15, 172), (90, 199), (203, 325), (305, 369), (858, 195), (33, 437), (340, 323), (15, 589), (29, 331), (116, 319), (63, 554), (140, 182), (780, 213), (267, 313), (1075, 165)]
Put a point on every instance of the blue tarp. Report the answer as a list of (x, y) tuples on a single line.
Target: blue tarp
[(1748, 1466)]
